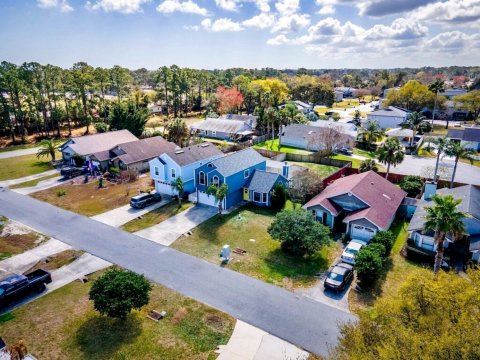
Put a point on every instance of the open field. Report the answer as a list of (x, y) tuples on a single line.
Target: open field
[(274, 146), (246, 228), (89, 200), (189, 331), (16, 238), (20, 166), (156, 216)]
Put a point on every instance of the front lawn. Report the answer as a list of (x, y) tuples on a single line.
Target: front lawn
[(346, 103), (156, 216), (274, 146), (88, 199), (355, 162), (25, 165), (322, 170), (16, 238), (246, 228), (32, 182), (64, 325), (364, 153)]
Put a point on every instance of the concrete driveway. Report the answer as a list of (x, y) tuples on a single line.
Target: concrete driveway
[(171, 229), (22, 262), (318, 293), (42, 185), (122, 215), (27, 178)]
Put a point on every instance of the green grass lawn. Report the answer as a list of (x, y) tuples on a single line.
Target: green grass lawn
[(346, 103), (322, 170), (264, 259), (156, 216), (25, 165), (32, 182), (64, 325), (355, 162), (365, 153), (274, 146)]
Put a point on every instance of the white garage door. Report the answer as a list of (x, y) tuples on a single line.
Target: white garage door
[(164, 188), (362, 232), (205, 199)]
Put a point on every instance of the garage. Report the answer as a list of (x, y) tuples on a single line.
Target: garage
[(362, 232), (204, 198), (164, 188)]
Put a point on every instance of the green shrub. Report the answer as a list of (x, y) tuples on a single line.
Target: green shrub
[(385, 238), (368, 264), (61, 192), (279, 196), (412, 185), (101, 127)]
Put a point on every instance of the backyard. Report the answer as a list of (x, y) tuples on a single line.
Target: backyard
[(25, 165), (190, 330), (88, 199), (246, 228), (274, 146), (322, 170)]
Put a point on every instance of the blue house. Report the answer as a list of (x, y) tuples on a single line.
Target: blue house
[(236, 170), (259, 189)]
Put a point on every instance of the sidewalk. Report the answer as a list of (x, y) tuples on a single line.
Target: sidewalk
[(14, 153), (42, 185), (27, 178)]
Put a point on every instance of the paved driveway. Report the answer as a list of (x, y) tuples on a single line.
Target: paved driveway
[(28, 178), (122, 215), (309, 324), (168, 231), (42, 185)]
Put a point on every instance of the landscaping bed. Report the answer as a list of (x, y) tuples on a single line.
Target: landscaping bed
[(190, 330), (58, 260), (25, 165), (16, 238), (88, 199), (246, 229), (156, 216)]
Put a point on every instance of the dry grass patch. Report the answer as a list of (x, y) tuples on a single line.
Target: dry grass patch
[(32, 182), (88, 199), (58, 260), (16, 238)]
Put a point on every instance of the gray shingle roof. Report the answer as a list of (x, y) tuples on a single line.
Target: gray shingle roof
[(455, 134), (469, 134), (222, 125), (191, 154), (144, 149), (263, 181), (238, 161), (300, 131), (244, 118), (390, 111), (89, 144)]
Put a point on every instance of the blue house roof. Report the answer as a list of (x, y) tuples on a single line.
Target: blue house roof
[(238, 161), (264, 181)]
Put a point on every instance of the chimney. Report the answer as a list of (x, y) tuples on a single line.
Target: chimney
[(285, 169), (430, 190)]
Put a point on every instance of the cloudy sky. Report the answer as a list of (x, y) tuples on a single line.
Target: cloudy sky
[(242, 33)]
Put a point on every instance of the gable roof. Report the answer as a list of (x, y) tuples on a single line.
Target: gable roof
[(191, 154), (382, 197), (468, 134), (453, 92), (302, 131), (263, 181), (390, 111), (89, 144), (244, 118), (237, 161), (222, 125), (455, 134), (144, 149)]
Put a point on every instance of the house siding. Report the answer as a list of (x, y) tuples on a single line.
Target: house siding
[(319, 215)]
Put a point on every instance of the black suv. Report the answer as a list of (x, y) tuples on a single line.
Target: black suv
[(69, 172), (339, 277), (144, 199)]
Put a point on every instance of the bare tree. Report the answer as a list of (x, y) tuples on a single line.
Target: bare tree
[(327, 139), (305, 185)]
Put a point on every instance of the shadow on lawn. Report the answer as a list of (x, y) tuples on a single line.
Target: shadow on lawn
[(100, 337)]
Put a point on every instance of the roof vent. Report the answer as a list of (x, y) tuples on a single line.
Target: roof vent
[(179, 152), (205, 145), (387, 197), (372, 183)]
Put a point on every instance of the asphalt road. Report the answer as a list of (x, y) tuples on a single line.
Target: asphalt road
[(299, 320)]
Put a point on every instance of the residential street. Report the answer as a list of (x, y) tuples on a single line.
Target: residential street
[(299, 320), (28, 178), (14, 153)]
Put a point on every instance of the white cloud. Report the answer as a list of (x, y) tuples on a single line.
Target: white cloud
[(121, 6), (62, 5), (261, 21), (220, 25), (454, 41), (451, 11), (401, 29), (234, 5), (229, 5), (278, 40), (190, 7), (287, 7), (262, 5), (291, 23), (326, 10), (191, 27)]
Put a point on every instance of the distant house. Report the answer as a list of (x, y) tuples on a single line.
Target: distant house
[(236, 170), (359, 205), (347, 92), (181, 163), (338, 95), (469, 137), (226, 127), (304, 107), (470, 196), (97, 145), (136, 155), (390, 117), (155, 109), (345, 128), (309, 137), (451, 93)]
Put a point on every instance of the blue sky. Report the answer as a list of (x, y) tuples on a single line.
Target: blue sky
[(242, 33)]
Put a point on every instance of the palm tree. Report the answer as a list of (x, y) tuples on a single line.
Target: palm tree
[(177, 131), (371, 132), (367, 165), (442, 145), (444, 218), (414, 122), (390, 153), (219, 192), (457, 150), (436, 87), (179, 186), (47, 148)]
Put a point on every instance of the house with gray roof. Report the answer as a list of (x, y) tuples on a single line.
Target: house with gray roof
[(226, 127), (309, 137), (468, 137), (181, 163), (261, 186), (96, 144), (236, 170), (424, 240), (390, 117)]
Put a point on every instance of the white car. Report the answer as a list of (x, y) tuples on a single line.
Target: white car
[(351, 251)]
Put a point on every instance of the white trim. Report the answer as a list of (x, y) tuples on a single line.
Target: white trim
[(204, 178), (246, 173)]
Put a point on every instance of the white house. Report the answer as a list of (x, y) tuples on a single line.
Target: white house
[(390, 117), (181, 163)]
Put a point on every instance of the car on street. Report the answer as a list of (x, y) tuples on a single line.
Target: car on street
[(351, 251), (344, 151), (339, 277), (144, 199)]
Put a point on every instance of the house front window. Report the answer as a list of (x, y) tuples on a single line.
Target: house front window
[(246, 173), (216, 180), (257, 197), (156, 171), (201, 178), (264, 198), (214, 133), (173, 173)]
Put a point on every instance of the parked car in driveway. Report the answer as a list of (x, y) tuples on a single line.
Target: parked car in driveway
[(339, 277), (351, 251), (15, 286), (144, 199), (344, 151), (69, 172)]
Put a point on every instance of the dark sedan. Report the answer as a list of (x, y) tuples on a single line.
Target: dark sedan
[(339, 277)]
